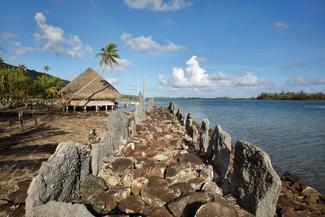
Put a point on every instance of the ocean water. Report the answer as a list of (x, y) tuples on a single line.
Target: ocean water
[(291, 132)]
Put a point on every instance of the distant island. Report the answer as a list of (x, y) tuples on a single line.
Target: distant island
[(291, 96)]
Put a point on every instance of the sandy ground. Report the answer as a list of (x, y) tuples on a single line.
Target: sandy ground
[(22, 152)]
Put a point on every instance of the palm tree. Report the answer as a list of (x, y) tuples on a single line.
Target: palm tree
[(46, 68), (108, 55)]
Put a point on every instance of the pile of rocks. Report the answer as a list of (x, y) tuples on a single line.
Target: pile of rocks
[(155, 162), (297, 199), (154, 174)]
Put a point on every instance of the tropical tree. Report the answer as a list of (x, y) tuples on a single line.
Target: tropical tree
[(109, 55), (46, 68), (22, 68)]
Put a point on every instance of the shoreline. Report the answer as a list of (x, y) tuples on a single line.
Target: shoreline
[(291, 189)]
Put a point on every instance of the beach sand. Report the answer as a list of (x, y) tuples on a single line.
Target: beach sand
[(22, 152)]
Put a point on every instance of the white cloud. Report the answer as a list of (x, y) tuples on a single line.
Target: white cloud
[(7, 36), (18, 49), (302, 81), (194, 76), (158, 5), (120, 66), (280, 25), (146, 43), (54, 39)]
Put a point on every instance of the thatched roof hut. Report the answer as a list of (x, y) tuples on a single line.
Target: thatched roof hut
[(89, 89)]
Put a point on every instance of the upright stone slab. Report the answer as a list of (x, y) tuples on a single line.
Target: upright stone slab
[(204, 136), (195, 136), (59, 177), (141, 100), (116, 135), (179, 116), (170, 106), (60, 209), (150, 105), (219, 151), (140, 113), (254, 182), (189, 124), (175, 108)]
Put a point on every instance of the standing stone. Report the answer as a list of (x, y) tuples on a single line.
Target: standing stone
[(132, 128), (219, 151), (59, 209), (150, 105), (141, 100), (254, 181), (204, 136), (116, 135), (170, 106), (179, 116), (59, 177), (189, 123), (195, 136)]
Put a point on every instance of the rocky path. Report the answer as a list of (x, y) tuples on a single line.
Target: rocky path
[(155, 174)]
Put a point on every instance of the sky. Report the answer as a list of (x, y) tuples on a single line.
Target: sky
[(182, 48)]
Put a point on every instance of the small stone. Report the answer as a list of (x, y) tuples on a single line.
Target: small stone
[(23, 185), (182, 187), (212, 187), (311, 196), (18, 197), (190, 158), (156, 193), (122, 164), (218, 208), (160, 157), (160, 212), (131, 204), (177, 207), (91, 185), (102, 202)]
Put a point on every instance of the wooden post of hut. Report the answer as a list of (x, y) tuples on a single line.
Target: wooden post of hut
[(89, 89)]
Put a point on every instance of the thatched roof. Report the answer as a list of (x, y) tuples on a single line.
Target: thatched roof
[(99, 89)]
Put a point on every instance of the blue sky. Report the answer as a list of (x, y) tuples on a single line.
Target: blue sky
[(200, 48)]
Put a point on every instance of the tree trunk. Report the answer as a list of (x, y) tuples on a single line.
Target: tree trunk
[(21, 119)]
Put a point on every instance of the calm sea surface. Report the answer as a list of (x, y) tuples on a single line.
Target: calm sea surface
[(291, 132)]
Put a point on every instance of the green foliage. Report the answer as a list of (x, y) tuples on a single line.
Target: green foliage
[(18, 85), (129, 97), (291, 96), (108, 55)]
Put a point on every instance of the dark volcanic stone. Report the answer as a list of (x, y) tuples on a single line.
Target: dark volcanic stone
[(23, 185), (156, 192), (196, 198), (190, 158), (182, 187), (17, 197), (161, 212), (254, 182), (131, 204), (91, 185), (217, 208), (102, 202), (122, 164)]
